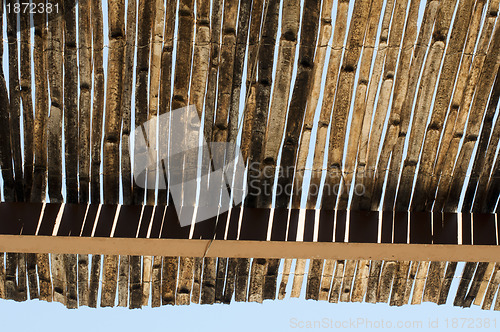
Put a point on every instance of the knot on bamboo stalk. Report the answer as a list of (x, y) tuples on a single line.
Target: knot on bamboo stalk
[(84, 86), (434, 125), (348, 68), (290, 35), (306, 63), (439, 36), (471, 138), (411, 163)]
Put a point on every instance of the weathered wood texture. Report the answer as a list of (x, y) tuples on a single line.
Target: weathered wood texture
[(346, 281)]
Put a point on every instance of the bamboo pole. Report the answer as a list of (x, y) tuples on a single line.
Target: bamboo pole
[(38, 189), (27, 104), (233, 122), (156, 282), (111, 148), (98, 102), (96, 136), (165, 84), (449, 71), (460, 104), (41, 113), (259, 16), (169, 265), (14, 109), (407, 103), (278, 108), (482, 165), (399, 284), (492, 288), (336, 283), (70, 102), (127, 80), (326, 280), (123, 280), (84, 105), (254, 42), (359, 106), (263, 93), (55, 77), (445, 286), (153, 143), (350, 267), (296, 112), (343, 95), (373, 281), (475, 120), (328, 97), (255, 157), (399, 94), (85, 109), (128, 71), (397, 26)]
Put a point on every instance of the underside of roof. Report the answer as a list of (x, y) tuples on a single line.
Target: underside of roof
[(351, 107)]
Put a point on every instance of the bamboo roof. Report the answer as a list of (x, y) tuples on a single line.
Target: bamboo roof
[(397, 97)]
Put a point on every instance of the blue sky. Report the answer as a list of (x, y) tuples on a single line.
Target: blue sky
[(271, 315), (286, 315)]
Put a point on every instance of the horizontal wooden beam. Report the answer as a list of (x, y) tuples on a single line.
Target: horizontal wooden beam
[(248, 249)]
